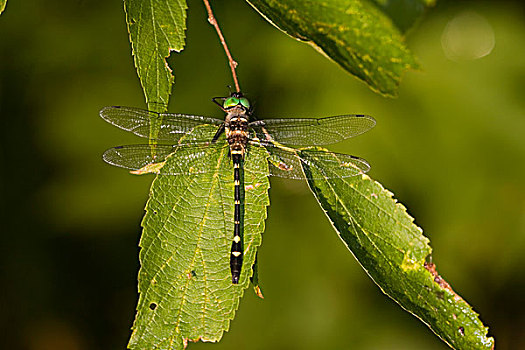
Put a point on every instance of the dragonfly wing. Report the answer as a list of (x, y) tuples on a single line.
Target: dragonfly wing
[(312, 132), (289, 163), (185, 159), (170, 127), (326, 165)]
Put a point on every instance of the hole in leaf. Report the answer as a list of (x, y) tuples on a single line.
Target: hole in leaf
[(461, 330), (152, 306)]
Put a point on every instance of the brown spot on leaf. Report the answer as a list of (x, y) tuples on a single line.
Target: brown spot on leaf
[(431, 267), (285, 167)]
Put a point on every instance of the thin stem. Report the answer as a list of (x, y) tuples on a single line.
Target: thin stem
[(231, 61)]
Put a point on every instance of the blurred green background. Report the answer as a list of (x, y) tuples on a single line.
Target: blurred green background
[(451, 148)]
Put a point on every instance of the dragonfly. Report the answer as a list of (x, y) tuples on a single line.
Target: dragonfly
[(242, 131)]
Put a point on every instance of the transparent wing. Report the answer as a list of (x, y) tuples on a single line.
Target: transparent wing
[(289, 163), (171, 127), (188, 158), (312, 132), (194, 158)]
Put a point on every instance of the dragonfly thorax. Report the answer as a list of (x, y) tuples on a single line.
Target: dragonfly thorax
[(236, 129)]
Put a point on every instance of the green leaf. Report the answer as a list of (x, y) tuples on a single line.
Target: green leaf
[(3, 3), (155, 29), (185, 287), (356, 34), (395, 254)]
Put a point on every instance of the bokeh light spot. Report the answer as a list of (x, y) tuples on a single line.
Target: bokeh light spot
[(468, 36)]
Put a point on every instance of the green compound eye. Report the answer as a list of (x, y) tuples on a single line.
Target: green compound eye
[(244, 102), (231, 102)]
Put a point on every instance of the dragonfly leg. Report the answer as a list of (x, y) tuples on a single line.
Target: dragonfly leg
[(214, 99), (220, 130)]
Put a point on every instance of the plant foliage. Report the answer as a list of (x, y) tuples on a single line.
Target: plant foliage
[(356, 34), (395, 254), (155, 29)]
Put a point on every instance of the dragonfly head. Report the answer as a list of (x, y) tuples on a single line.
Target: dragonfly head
[(236, 99)]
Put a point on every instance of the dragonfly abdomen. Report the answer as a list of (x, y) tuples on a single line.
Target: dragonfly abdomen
[(238, 225)]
